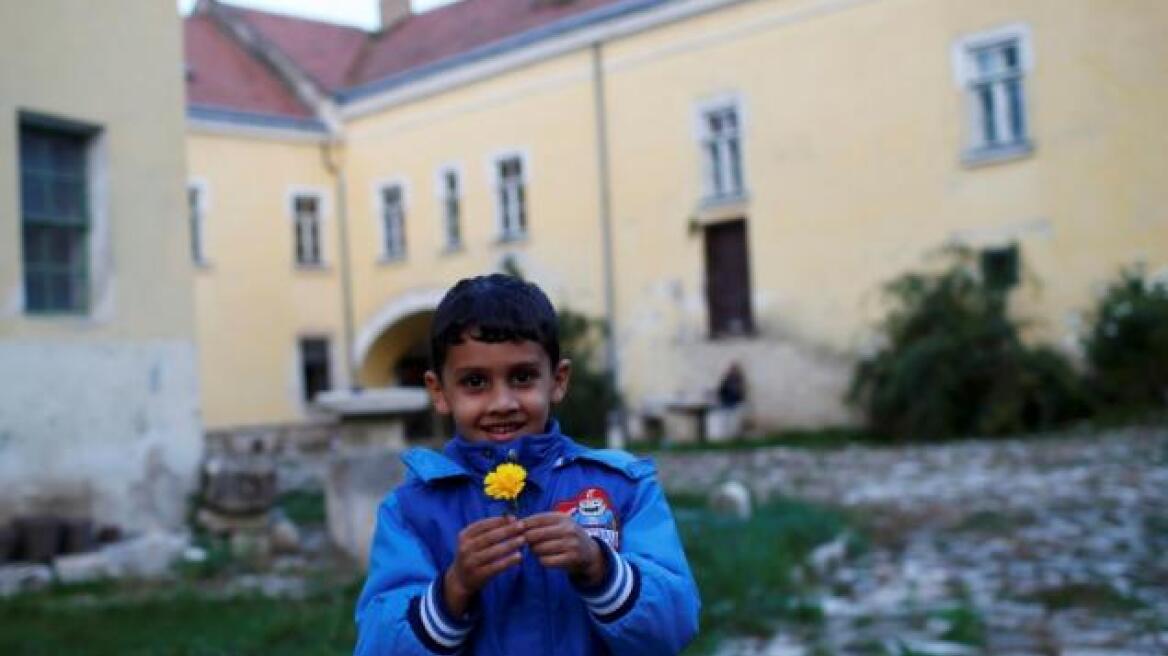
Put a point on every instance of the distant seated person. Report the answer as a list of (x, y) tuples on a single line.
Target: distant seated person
[(732, 389), (726, 420)]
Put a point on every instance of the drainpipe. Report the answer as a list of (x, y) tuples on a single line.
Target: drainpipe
[(336, 168), (616, 432)]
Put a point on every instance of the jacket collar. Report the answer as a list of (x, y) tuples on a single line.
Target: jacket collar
[(536, 453)]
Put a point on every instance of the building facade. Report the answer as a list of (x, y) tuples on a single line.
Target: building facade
[(99, 409), (722, 180)]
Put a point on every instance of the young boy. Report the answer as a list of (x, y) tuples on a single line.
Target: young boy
[(586, 559)]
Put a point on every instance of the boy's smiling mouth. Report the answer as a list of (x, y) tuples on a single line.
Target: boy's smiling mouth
[(502, 428)]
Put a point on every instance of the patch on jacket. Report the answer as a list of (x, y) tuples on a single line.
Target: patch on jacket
[(592, 509)]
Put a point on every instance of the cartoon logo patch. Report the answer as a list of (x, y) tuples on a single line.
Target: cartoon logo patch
[(593, 511)]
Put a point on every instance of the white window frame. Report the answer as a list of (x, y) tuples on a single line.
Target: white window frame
[(441, 193), (322, 211), (726, 102), (197, 222), (397, 251), (506, 232), (968, 77)]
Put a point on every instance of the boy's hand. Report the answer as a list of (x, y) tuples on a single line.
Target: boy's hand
[(485, 548), (560, 542)]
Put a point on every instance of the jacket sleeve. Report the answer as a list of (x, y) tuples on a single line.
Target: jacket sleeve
[(401, 611), (648, 604)]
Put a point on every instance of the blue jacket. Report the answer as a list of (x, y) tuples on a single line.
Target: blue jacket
[(648, 604)]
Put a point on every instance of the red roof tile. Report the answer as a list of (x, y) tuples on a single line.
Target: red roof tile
[(324, 51), (441, 33), (227, 75), (221, 73)]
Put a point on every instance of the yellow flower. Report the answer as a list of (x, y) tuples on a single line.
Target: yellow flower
[(506, 482)]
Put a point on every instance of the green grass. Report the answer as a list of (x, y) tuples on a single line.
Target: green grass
[(745, 569), (106, 620), (303, 507)]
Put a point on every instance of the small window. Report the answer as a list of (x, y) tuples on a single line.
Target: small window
[(314, 366), (993, 67), (393, 222), (306, 225), (722, 153), (451, 209), (512, 198), (55, 215), (728, 279), (1000, 267), (196, 217)]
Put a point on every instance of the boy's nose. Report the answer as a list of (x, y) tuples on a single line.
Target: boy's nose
[(503, 400)]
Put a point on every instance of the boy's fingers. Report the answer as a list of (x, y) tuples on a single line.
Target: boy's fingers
[(554, 546), (491, 569), (536, 535), (484, 525), (559, 560), (496, 551), (544, 519), (494, 536)]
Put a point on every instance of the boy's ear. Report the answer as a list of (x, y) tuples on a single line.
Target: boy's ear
[(561, 373), (437, 396)]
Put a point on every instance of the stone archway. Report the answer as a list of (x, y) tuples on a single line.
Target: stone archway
[(390, 315)]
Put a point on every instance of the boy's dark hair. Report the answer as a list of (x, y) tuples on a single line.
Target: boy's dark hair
[(497, 308)]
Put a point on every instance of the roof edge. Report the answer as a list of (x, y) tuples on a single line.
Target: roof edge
[(224, 120), (495, 48), (601, 25)]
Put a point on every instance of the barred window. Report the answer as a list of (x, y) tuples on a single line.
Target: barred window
[(393, 222), (55, 219), (512, 198), (451, 209), (306, 226)]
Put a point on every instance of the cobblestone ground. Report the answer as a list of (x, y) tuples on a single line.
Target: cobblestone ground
[(1054, 546)]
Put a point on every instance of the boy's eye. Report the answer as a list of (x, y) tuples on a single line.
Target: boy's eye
[(524, 377), (474, 381)]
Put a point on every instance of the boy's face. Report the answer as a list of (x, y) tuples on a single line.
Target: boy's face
[(497, 392)]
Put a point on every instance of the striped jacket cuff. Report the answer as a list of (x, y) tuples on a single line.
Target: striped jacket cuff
[(433, 623), (616, 595)]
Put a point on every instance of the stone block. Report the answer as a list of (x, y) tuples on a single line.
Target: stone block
[(82, 568), (731, 498), (354, 488), (24, 577)]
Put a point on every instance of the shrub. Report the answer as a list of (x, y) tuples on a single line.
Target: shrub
[(591, 394), (1127, 345), (955, 364)]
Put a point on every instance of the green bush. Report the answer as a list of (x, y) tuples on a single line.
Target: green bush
[(954, 363), (1127, 346), (591, 394)]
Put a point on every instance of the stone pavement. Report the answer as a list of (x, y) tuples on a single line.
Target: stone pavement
[(1053, 546)]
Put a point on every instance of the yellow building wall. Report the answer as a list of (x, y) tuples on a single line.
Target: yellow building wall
[(254, 302), (99, 412), (853, 136), (545, 112)]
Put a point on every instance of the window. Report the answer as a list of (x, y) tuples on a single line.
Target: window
[(721, 152), (512, 198), (728, 279), (393, 222), (55, 217), (196, 216), (306, 224), (451, 208), (999, 267), (992, 69), (314, 366)]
